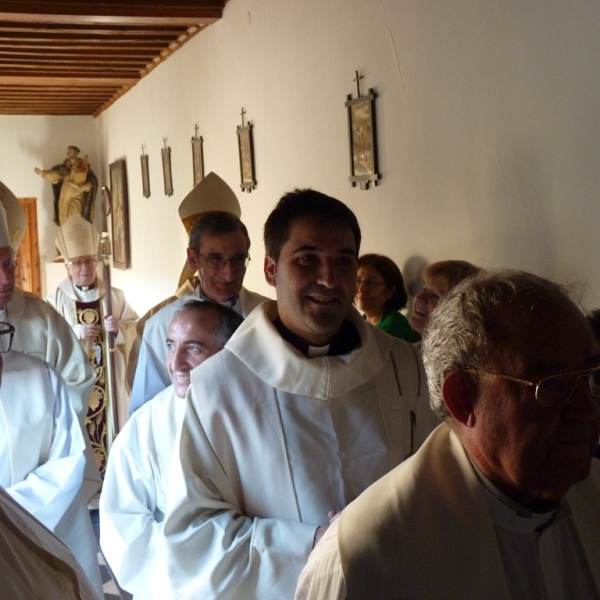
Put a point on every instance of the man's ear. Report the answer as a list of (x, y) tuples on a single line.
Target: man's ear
[(459, 392), (193, 259), (270, 268)]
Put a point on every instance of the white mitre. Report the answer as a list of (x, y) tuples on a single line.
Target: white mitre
[(13, 221), (211, 194), (77, 237)]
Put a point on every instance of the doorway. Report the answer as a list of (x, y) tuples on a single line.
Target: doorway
[(27, 271)]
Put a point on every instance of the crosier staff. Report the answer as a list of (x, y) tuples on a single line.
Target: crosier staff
[(111, 384)]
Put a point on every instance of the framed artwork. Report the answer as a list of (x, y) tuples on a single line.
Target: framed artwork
[(246, 153), (120, 215), (166, 163), (145, 174), (362, 139), (198, 157)]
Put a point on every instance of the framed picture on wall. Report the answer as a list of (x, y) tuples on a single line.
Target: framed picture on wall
[(166, 163), (145, 174), (246, 154), (120, 215), (362, 138), (198, 157)]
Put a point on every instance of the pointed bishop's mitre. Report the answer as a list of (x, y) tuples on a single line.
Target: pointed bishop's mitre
[(13, 221), (211, 194), (77, 237)]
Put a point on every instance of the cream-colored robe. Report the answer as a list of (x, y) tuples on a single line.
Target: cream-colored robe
[(151, 375), (133, 501), (272, 441), (34, 564), (44, 448), (425, 531), (63, 300), (40, 331)]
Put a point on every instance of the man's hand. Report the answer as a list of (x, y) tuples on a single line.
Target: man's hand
[(111, 324), (333, 515), (90, 332)]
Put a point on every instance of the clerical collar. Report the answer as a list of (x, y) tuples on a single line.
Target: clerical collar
[(229, 303), (343, 342), (85, 288)]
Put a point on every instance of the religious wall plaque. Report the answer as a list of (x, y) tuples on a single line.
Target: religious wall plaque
[(120, 215), (362, 138), (166, 163), (198, 157), (145, 174), (246, 153)]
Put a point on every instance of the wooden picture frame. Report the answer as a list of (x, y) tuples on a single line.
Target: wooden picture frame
[(145, 174), (120, 215), (246, 155), (166, 164), (362, 138), (198, 157)]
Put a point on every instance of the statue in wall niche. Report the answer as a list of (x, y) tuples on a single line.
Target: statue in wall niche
[(74, 186)]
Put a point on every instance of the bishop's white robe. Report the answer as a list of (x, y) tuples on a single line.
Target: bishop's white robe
[(34, 564), (133, 501), (63, 300), (426, 531), (41, 450), (151, 375), (272, 441), (40, 331)]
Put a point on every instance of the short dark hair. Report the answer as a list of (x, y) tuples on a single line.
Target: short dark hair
[(392, 276), (229, 320), (303, 203), (593, 319), (215, 223), (451, 271)]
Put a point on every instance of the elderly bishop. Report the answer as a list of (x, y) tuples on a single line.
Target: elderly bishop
[(80, 299)]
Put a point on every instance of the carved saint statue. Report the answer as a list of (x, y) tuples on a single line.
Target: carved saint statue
[(74, 186)]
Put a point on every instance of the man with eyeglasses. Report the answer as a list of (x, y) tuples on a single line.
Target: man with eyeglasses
[(81, 299), (218, 253), (40, 331), (502, 500)]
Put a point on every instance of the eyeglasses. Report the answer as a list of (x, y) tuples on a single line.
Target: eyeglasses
[(369, 283), (555, 390), (88, 262), (218, 261), (7, 332)]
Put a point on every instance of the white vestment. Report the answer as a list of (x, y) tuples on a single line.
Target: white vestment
[(34, 564), (40, 331), (133, 500), (41, 449), (272, 441), (151, 375), (63, 300), (426, 531)]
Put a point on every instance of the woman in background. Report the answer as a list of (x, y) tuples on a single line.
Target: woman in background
[(380, 294), (438, 278)]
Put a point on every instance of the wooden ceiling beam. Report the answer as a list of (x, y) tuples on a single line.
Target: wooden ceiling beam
[(42, 81), (130, 13)]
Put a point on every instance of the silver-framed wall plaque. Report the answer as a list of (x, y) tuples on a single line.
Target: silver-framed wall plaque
[(198, 157), (362, 137), (166, 163), (145, 174), (246, 154)]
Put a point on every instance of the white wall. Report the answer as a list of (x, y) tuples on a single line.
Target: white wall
[(29, 142), (488, 123)]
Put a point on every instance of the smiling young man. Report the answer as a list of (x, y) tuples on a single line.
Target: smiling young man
[(305, 407), (133, 500), (501, 501)]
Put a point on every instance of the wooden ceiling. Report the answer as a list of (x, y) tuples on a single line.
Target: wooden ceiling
[(77, 58)]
